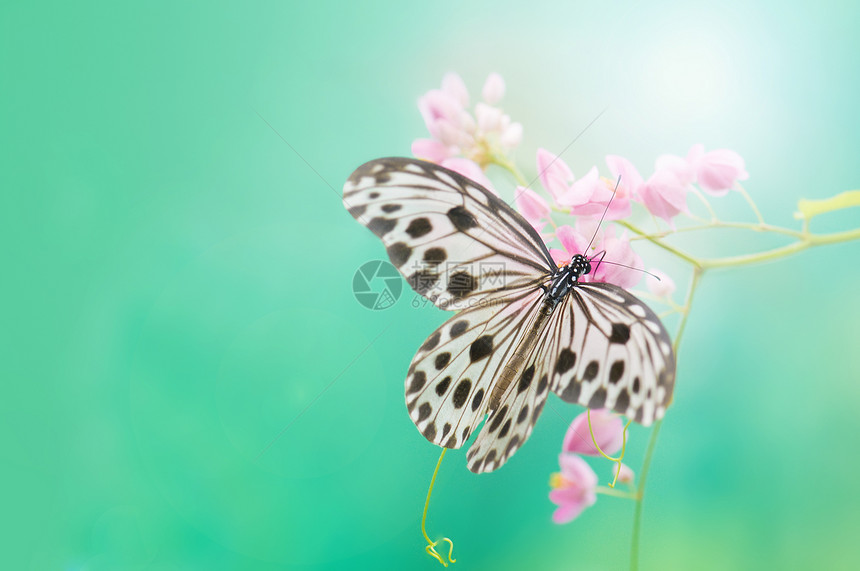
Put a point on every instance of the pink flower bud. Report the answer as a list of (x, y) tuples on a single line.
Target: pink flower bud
[(625, 476), (453, 85), (718, 171), (664, 287), (664, 195), (494, 89)]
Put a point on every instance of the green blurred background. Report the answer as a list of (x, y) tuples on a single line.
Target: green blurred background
[(177, 284)]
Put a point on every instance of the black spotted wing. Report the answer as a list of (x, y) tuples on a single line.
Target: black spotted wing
[(454, 241)]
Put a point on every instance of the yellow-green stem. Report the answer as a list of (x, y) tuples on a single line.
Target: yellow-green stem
[(637, 515)]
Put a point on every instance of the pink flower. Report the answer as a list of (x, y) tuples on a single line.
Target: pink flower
[(470, 170), (718, 171), (455, 131), (630, 182), (572, 242), (573, 489), (621, 264), (664, 194), (532, 206), (588, 196), (618, 253), (664, 287), (608, 431)]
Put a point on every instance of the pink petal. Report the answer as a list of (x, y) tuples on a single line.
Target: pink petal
[(555, 176), (435, 105), (599, 201), (577, 488), (607, 428), (572, 241), (471, 170), (679, 166), (430, 150), (624, 264), (577, 471), (664, 195), (453, 85), (530, 204), (566, 513), (582, 191), (695, 153), (559, 256), (449, 133), (717, 171), (631, 180), (664, 287), (589, 229)]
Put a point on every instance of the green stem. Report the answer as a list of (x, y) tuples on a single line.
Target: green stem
[(660, 243), (752, 204), (808, 241), (502, 161), (707, 204), (694, 283), (637, 516), (652, 442), (606, 490), (755, 227)]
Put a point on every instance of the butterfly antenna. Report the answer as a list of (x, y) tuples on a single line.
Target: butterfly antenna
[(605, 210), (602, 261)]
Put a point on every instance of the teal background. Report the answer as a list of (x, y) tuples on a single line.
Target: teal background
[(177, 284)]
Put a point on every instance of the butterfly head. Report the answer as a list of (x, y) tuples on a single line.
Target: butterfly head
[(578, 266)]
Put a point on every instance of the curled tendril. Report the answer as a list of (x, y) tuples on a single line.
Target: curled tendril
[(431, 550), (431, 545), (602, 453)]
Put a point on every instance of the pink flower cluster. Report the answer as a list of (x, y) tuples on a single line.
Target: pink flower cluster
[(477, 136), (467, 141), (575, 487)]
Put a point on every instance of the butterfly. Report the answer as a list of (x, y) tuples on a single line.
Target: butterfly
[(524, 326)]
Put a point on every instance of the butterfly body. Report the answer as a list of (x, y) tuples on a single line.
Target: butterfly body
[(523, 327)]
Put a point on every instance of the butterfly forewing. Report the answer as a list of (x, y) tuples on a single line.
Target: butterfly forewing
[(453, 241), (615, 353)]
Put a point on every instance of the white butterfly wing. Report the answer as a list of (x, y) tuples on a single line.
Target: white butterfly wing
[(614, 352), (453, 373), (454, 241), (520, 406)]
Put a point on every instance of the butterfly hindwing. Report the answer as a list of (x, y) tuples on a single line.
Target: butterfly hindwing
[(454, 241), (454, 372), (512, 422), (615, 353)]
